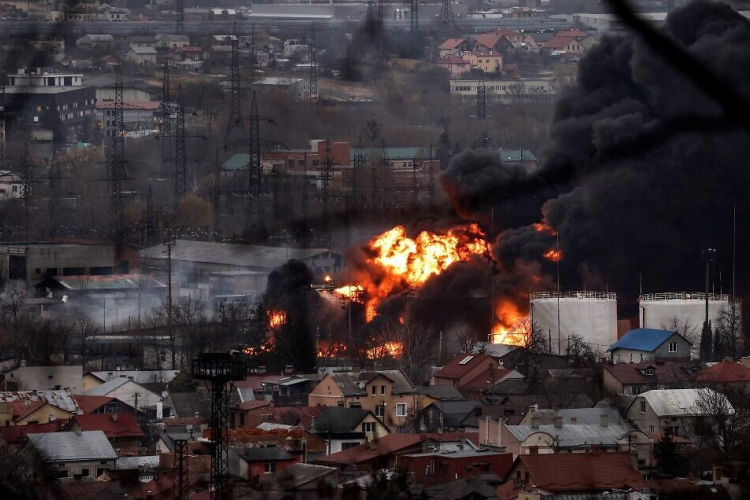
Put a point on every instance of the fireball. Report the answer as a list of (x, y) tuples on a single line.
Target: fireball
[(509, 327), (276, 318), (554, 255)]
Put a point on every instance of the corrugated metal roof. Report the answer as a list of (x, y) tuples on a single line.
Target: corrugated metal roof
[(73, 446), (107, 282), (251, 256), (138, 376), (642, 339), (130, 463), (106, 387), (390, 153), (582, 416), (574, 435), (60, 398), (271, 426)]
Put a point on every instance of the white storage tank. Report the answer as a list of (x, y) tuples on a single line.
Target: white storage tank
[(591, 316), (660, 310)]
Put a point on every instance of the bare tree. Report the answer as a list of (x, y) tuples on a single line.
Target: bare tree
[(723, 418), (687, 329), (727, 330)]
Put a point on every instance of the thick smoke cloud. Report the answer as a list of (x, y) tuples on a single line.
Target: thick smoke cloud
[(643, 179)]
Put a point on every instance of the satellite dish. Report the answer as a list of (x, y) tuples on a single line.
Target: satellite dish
[(164, 394), (52, 418)]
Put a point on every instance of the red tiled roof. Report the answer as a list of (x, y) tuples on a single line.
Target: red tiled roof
[(16, 434), (114, 425), (489, 40), (725, 372), (22, 410), (455, 370), (389, 445), (582, 471), (559, 42), (664, 373), (89, 404), (252, 405), (572, 33), (451, 43)]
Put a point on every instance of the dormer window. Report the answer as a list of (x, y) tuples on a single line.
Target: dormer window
[(649, 371)]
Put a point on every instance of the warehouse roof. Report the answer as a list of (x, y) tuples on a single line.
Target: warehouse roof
[(254, 256), (642, 339), (59, 398), (574, 435), (73, 446), (582, 416)]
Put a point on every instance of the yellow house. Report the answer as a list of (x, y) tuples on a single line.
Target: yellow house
[(29, 413), (386, 393), (488, 61)]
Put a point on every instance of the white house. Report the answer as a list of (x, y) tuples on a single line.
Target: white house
[(11, 185), (128, 392)]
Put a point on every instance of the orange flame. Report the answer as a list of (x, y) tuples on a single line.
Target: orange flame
[(544, 227), (509, 328), (266, 346), (554, 255), (276, 318), (352, 292), (408, 263), (390, 349), (333, 351)]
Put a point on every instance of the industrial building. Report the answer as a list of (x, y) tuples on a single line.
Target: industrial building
[(592, 316), (198, 264), (508, 91)]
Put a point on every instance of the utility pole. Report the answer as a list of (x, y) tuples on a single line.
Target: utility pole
[(151, 224), (180, 160), (447, 19), (313, 84), (116, 159), (181, 470), (166, 128), (414, 15), (179, 16), (706, 347), (235, 109)]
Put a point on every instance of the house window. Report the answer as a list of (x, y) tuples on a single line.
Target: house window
[(649, 371), (62, 473), (85, 472), (99, 471), (673, 347), (382, 389), (651, 428), (269, 467), (380, 411), (368, 427), (355, 405), (374, 390), (401, 409), (346, 446), (643, 406)]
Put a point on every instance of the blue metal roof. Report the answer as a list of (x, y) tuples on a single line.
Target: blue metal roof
[(642, 339)]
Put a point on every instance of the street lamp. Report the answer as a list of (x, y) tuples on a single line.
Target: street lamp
[(708, 255)]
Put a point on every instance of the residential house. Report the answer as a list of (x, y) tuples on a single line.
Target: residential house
[(16, 436), (452, 47), (298, 416), (293, 46), (387, 393), (186, 53), (129, 392), (95, 41), (674, 410), (156, 380), (574, 33), (345, 428), (429, 469), (121, 430), (494, 41), (97, 405), (568, 45), (472, 374), (218, 54), (447, 416), (647, 344), (45, 378), (571, 416), (253, 463), (143, 56), (479, 487), (11, 185), (136, 116), (726, 373), (35, 407), (238, 413), (171, 41), (635, 378), (288, 391), (142, 41), (190, 404), (133, 90), (456, 66), (536, 41), (381, 453), (533, 477), (574, 438), (298, 480), (303, 445), (488, 61), (75, 454)]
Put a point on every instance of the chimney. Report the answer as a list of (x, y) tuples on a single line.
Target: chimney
[(558, 421), (534, 422), (604, 420), (114, 417)]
